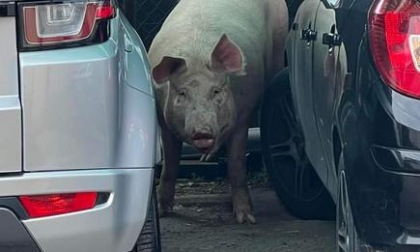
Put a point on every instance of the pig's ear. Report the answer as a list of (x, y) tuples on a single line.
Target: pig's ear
[(228, 57), (167, 66)]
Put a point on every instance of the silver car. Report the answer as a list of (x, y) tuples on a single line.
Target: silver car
[(78, 132)]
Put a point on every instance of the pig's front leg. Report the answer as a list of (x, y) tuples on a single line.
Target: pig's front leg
[(172, 148), (241, 200)]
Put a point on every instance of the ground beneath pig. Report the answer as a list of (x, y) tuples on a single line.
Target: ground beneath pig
[(202, 221)]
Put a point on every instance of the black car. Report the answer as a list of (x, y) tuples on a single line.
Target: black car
[(341, 124)]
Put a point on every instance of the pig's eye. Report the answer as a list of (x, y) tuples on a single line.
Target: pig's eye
[(180, 97), (182, 93), (216, 91)]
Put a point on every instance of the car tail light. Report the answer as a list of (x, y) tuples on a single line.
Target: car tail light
[(54, 204), (59, 24), (394, 36)]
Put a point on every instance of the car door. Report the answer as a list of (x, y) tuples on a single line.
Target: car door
[(326, 51), (300, 53)]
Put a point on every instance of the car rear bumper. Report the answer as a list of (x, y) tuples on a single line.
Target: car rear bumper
[(112, 226), (389, 212), (13, 235), (384, 166)]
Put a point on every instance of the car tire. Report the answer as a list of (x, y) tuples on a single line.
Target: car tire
[(149, 238), (347, 237), (294, 179)]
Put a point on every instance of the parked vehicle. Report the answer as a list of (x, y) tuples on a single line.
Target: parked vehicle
[(78, 139), (342, 125)]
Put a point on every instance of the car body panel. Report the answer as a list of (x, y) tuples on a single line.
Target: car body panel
[(89, 107), (324, 84), (10, 109), (301, 74), (406, 112), (136, 69), (112, 226)]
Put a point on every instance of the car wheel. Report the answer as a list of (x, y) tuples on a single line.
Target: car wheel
[(292, 175), (347, 236), (149, 238)]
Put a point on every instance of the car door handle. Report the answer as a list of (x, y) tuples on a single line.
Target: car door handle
[(309, 35), (331, 39)]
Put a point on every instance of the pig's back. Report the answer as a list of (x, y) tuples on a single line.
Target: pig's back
[(194, 27)]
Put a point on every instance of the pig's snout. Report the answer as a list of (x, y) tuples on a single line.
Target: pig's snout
[(203, 141)]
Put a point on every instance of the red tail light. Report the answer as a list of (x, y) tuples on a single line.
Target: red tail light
[(394, 35), (54, 204), (47, 24)]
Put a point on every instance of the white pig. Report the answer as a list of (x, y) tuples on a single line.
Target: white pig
[(210, 64)]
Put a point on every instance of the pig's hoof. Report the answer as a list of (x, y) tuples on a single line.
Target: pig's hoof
[(242, 206), (245, 216), (165, 211)]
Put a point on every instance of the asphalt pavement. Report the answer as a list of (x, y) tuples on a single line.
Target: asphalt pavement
[(204, 222)]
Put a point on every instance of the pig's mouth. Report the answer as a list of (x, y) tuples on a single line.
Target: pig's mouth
[(203, 142)]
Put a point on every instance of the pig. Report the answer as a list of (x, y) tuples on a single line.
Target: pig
[(210, 62)]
